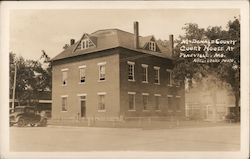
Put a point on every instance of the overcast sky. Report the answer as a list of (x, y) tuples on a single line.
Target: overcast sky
[(34, 30)]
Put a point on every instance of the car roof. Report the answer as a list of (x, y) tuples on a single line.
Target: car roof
[(24, 107)]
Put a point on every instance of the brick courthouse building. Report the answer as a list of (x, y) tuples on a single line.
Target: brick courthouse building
[(112, 74)]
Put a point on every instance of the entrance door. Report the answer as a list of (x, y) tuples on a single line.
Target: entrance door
[(83, 105)]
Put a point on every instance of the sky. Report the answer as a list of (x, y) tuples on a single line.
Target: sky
[(34, 30)]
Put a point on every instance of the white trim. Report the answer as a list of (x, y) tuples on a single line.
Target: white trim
[(169, 95), (145, 94), (102, 63), (101, 93), (131, 63), (177, 96), (131, 92), (45, 101), (64, 96), (169, 70), (144, 65), (83, 94), (131, 110), (157, 68), (159, 95), (83, 66), (101, 111), (64, 69)]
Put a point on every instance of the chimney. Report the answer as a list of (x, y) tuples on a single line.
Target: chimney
[(171, 43), (136, 32), (72, 41)]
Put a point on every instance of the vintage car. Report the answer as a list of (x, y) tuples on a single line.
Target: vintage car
[(27, 115)]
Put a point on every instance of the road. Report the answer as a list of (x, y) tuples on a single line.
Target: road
[(77, 139)]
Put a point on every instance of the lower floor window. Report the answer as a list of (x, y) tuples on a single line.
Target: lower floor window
[(157, 102), (170, 103), (101, 102), (145, 101), (131, 100), (64, 103)]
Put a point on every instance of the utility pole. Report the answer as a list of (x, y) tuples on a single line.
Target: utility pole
[(14, 89)]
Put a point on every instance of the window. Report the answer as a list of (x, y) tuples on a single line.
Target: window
[(145, 73), (101, 102), (170, 103), (152, 46), (64, 103), (145, 101), (102, 71), (169, 77), (85, 44), (82, 70), (131, 101), (131, 71), (157, 75), (157, 101), (178, 106), (64, 77)]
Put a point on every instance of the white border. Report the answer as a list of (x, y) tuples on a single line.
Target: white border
[(243, 5)]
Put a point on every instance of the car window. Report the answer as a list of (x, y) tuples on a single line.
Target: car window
[(19, 110)]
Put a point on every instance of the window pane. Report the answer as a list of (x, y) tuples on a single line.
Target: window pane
[(157, 102), (64, 103), (82, 75), (131, 72), (64, 77), (144, 74), (145, 102), (101, 103), (131, 101), (170, 107), (102, 72)]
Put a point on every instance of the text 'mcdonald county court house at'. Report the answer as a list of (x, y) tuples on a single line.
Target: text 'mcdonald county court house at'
[(113, 74)]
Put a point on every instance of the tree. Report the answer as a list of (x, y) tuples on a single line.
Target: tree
[(227, 72), (32, 78)]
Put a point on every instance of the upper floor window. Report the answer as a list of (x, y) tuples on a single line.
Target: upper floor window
[(170, 103), (157, 75), (144, 73), (152, 46), (64, 77), (169, 77), (102, 71), (131, 71), (82, 70)]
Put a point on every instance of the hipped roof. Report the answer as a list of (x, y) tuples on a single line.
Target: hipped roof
[(113, 38)]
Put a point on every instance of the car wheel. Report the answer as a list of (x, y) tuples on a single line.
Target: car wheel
[(32, 124), (21, 122)]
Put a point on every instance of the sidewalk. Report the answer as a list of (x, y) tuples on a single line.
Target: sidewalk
[(144, 124)]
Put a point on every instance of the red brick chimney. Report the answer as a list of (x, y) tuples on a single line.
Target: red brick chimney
[(171, 44), (136, 32)]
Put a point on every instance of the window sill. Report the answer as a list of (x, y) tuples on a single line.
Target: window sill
[(81, 83), (145, 110), (64, 85), (157, 83), (64, 111), (101, 111), (178, 111), (131, 110), (101, 80), (144, 81), (170, 111), (169, 85), (177, 86), (158, 110), (131, 80)]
